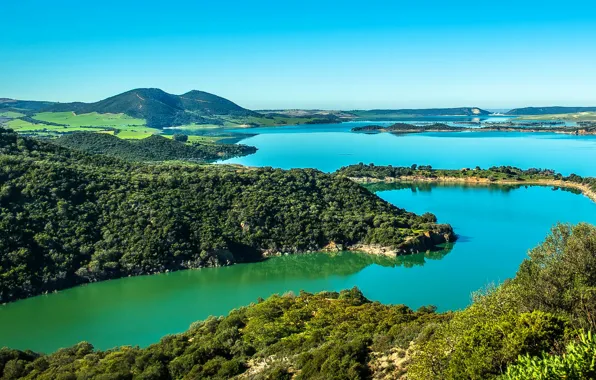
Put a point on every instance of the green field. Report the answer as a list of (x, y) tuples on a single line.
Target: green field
[(139, 132), (11, 114), (201, 139), (24, 126), (579, 116), (128, 127), (89, 119)]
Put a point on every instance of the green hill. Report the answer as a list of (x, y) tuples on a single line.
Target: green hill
[(68, 217), (538, 325), (153, 148), (549, 110), (161, 109), (25, 106)]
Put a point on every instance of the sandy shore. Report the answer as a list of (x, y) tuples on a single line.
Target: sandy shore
[(481, 182)]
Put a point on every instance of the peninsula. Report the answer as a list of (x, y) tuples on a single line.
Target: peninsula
[(110, 218), (505, 175)]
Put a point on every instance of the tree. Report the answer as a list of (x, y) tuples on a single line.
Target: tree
[(180, 137)]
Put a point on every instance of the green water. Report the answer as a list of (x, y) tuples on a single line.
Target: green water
[(496, 226)]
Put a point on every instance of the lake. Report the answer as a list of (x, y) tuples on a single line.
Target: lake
[(330, 146), (496, 225)]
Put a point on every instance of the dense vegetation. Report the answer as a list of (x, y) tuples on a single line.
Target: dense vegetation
[(323, 336), (549, 110), (495, 173), (542, 312), (426, 171), (153, 148), (67, 217), (535, 326)]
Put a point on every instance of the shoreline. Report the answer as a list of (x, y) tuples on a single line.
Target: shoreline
[(585, 190), (574, 131)]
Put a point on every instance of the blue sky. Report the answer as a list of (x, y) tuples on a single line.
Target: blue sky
[(304, 54)]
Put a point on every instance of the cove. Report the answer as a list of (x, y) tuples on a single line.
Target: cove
[(329, 147), (496, 224)]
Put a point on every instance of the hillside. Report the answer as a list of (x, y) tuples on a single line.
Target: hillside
[(153, 148), (161, 109), (549, 110), (68, 218), (24, 106)]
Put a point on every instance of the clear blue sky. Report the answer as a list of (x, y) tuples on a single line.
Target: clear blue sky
[(313, 54)]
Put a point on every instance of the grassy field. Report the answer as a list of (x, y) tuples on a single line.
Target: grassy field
[(125, 131), (89, 119), (202, 139), (26, 127), (128, 127), (139, 132), (11, 114), (579, 116)]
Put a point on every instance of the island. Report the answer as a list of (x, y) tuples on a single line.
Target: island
[(585, 128)]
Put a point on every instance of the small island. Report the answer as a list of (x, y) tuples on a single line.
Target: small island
[(585, 128)]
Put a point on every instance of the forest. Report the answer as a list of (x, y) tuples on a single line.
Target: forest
[(535, 326), (492, 174), (152, 148), (69, 217)]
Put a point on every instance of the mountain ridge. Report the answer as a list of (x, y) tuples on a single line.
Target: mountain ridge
[(161, 109)]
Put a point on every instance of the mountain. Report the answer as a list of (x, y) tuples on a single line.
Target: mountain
[(461, 111), (549, 110), (161, 109)]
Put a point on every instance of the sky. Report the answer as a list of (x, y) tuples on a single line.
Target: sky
[(304, 54)]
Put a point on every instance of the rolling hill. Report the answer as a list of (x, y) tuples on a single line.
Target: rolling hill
[(549, 110), (23, 105), (153, 148), (161, 109)]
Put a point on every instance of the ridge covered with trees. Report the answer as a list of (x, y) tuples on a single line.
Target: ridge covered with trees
[(535, 326), (152, 148), (68, 217), (493, 174)]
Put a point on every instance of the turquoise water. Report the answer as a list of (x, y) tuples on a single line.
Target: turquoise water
[(496, 225), (329, 147)]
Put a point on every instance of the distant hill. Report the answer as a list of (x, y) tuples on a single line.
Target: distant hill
[(549, 110), (153, 148), (23, 105), (161, 109), (461, 111)]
